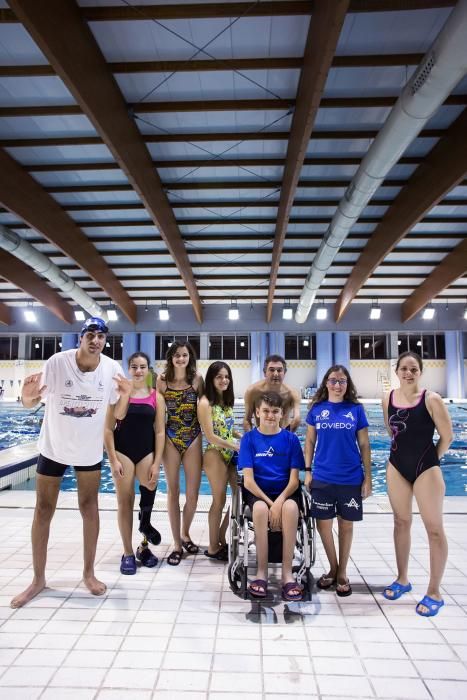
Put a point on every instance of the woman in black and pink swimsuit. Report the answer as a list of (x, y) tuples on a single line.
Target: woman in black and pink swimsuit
[(411, 415)]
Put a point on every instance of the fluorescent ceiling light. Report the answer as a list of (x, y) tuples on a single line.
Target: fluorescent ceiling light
[(164, 314), (375, 313), (112, 315), (428, 313), (321, 313), (233, 312), (79, 315), (287, 313), (30, 315)]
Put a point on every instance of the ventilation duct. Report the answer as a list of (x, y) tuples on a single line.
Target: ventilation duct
[(441, 69), (17, 246)]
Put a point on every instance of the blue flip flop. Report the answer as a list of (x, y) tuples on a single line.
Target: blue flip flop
[(433, 606), (398, 589)]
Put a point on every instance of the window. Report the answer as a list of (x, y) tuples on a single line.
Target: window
[(429, 346), (8, 347), (113, 347), (163, 343), (44, 346), (229, 347), (300, 347), (368, 346)]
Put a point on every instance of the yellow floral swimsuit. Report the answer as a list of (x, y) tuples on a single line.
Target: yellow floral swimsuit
[(223, 426)]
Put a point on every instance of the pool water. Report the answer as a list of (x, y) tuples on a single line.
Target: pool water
[(18, 425)]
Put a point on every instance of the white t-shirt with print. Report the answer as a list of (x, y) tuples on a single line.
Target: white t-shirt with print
[(75, 407)]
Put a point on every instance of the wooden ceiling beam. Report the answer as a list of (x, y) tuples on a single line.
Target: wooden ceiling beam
[(236, 204), (5, 314), (240, 136), (231, 220), (216, 185), (443, 168), (225, 64), (183, 106), (24, 277), (71, 49), (278, 8), (447, 271), (207, 163), (22, 195)]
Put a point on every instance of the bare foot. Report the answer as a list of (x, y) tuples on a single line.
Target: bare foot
[(94, 586), (31, 591)]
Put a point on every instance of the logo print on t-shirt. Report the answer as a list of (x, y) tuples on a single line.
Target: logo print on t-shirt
[(349, 415), (324, 414), (268, 453), (69, 382)]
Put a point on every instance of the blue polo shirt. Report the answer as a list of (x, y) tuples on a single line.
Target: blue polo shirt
[(337, 458), (271, 457)]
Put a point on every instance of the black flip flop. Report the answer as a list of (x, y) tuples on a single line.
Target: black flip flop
[(175, 558), (190, 547)]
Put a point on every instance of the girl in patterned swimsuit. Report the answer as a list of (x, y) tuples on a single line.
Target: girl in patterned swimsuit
[(215, 412), (181, 387), (411, 414)]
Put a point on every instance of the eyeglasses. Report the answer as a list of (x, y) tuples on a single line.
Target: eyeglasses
[(333, 382)]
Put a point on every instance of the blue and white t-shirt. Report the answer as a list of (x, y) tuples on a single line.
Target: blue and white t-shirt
[(337, 458), (271, 457)]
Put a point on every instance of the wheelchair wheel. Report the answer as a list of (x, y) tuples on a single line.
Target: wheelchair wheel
[(238, 579), (309, 585)]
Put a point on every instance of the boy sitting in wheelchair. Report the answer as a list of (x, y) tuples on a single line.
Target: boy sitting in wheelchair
[(271, 458)]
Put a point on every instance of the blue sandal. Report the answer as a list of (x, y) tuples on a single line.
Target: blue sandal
[(398, 589), (432, 605)]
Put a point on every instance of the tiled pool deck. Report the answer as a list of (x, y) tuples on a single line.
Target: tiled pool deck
[(179, 632)]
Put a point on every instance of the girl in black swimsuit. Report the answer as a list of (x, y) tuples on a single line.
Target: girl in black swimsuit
[(135, 446), (411, 415)]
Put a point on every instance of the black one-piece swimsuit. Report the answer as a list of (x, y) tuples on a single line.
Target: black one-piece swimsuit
[(412, 448)]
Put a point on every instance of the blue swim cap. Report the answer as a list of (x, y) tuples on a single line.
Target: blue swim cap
[(94, 323)]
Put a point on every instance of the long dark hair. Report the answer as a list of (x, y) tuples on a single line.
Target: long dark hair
[(412, 354), (228, 398), (169, 371), (323, 395)]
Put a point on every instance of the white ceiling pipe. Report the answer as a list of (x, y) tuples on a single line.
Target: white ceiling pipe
[(441, 69), (17, 246)]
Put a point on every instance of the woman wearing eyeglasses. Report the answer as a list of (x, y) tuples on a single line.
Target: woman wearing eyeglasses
[(337, 445)]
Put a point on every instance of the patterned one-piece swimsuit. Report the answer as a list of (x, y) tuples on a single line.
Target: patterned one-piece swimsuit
[(182, 420)]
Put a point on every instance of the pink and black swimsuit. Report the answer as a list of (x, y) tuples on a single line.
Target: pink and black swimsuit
[(134, 435), (412, 448)]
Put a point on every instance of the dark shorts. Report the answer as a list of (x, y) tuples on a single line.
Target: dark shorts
[(47, 467), (329, 500), (250, 499)]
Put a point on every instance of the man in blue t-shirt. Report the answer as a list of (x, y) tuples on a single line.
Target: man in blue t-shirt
[(271, 458)]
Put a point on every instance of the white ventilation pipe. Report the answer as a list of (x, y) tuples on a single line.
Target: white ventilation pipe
[(17, 246), (441, 69)]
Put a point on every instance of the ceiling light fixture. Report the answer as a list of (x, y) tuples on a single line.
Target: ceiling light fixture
[(164, 314), (112, 313), (79, 315), (287, 311), (428, 313), (30, 314), (321, 312), (375, 312), (233, 311)]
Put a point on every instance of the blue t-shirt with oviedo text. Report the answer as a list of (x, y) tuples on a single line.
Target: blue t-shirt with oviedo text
[(337, 458), (271, 457)]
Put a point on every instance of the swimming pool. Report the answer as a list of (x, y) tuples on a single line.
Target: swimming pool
[(18, 424)]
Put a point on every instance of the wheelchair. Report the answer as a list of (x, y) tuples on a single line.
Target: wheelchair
[(241, 539)]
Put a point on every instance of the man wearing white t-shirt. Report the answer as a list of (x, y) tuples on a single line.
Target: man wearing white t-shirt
[(77, 386)]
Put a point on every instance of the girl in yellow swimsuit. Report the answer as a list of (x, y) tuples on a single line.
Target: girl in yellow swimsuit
[(215, 412), (181, 387)]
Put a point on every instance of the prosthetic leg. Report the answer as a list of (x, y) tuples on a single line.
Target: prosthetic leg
[(150, 534)]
